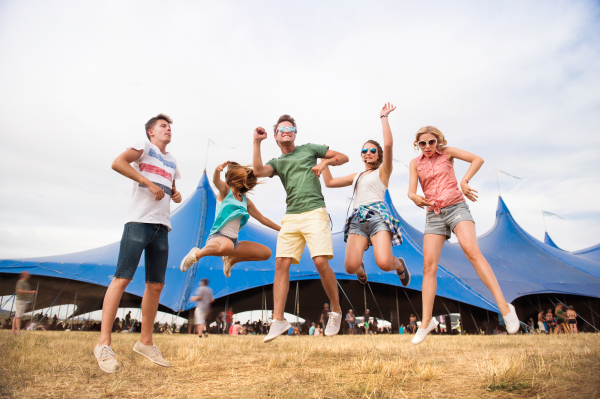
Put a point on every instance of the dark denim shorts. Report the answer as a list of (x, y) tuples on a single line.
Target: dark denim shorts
[(369, 228), (219, 234), (153, 240)]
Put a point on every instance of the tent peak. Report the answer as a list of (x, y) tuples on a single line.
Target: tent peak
[(203, 183), (502, 208), (549, 241)]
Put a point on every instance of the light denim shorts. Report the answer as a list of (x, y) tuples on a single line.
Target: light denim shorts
[(219, 234), (369, 228), (446, 221)]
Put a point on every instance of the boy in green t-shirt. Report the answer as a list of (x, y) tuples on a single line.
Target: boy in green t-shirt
[(306, 222)]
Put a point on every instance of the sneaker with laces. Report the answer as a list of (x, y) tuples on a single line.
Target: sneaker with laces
[(106, 359), (362, 279), (334, 323), (189, 260), (422, 333), (151, 352), (404, 275), (226, 266), (511, 321), (277, 328)]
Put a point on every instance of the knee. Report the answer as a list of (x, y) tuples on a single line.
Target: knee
[(266, 254), (321, 262), (472, 253), (283, 264), (154, 288), (352, 265), (120, 283), (385, 262), (429, 269)]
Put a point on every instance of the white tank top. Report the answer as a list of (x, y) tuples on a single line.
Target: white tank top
[(232, 228), (370, 189)]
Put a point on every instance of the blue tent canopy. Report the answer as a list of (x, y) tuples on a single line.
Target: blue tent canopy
[(522, 264)]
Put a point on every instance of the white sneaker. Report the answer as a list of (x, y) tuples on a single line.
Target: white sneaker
[(422, 333), (511, 321), (106, 359), (151, 352), (226, 266), (277, 328), (334, 323), (189, 260)]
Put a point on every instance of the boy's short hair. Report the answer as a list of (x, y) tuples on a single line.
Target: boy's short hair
[(150, 124)]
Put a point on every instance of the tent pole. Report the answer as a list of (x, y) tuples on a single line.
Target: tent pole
[(34, 300), (365, 292), (539, 303), (474, 322), (74, 304), (498, 182), (590, 305), (411, 305), (397, 310), (297, 301)]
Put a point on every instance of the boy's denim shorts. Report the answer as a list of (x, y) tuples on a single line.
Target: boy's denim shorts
[(153, 240), (369, 228), (219, 234), (446, 221)]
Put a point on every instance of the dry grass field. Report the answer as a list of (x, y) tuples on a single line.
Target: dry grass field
[(61, 364)]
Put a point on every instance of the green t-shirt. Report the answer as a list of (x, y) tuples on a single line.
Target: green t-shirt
[(23, 285), (294, 169)]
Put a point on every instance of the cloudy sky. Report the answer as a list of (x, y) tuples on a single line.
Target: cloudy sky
[(517, 83)]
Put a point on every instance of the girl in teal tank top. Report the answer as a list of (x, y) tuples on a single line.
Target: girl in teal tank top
[(233, 211)]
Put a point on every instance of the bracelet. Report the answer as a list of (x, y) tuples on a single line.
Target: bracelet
[(336, 161), (383, 116), (466, 181)]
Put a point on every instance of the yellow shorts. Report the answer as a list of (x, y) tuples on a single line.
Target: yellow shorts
[(298, 230)]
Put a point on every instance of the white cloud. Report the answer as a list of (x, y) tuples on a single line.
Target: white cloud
[(516, 83)]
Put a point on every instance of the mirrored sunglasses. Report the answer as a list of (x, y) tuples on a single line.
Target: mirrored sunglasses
[(286, 129), (373, 150)]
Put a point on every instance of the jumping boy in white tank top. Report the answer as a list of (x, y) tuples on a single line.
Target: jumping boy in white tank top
[(371, 223)]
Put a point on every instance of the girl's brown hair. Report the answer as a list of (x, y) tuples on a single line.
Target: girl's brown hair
[(240, 177), (379, 152), (441, 140)]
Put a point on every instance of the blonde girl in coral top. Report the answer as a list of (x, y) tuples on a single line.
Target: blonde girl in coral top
[(447, 212)]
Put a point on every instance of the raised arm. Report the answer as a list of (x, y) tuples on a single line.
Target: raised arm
[(332, 158), (260, 170), (388, 144), (412, 187), (475, 162), (220, 184), (330, 181), (123, 166), (259, 216)]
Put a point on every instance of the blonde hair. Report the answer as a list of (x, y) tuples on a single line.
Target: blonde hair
[(240, 177), (441, 140)]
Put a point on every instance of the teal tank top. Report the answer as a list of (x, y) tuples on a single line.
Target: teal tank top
[(230, 209)]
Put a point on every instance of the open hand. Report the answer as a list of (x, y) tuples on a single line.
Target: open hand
[(468, 191), (156, 191), (222, 167), (176, 196), (387, 108), (421, 201), (260, 134)]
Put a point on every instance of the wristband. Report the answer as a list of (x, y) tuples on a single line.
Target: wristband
[(336, 161), (466, 181), (383, 116)]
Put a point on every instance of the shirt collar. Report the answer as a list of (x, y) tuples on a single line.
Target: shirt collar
[(437, 151)]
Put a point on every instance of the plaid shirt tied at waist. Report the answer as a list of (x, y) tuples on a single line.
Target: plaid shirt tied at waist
[(363, 213)]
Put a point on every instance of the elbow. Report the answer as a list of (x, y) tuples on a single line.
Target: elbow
[(481, 161), (115, 165)]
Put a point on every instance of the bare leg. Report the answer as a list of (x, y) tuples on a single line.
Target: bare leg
[(110, 307), (16, 327), (467, 238), (219, 246), (329, 282), (432, 249), (248, 251), (281, 285), (149, 309), (382, 247), (354, 254)]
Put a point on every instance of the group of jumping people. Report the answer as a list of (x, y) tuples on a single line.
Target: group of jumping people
[(306, 221)]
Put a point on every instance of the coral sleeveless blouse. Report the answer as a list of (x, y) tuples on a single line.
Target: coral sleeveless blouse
[(436, 175)]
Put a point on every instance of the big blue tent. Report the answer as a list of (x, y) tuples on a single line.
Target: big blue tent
[(523, 265)]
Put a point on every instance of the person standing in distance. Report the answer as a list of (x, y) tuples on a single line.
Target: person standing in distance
[(203, 298), (306, 221), (154, 172), (22, 300)]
